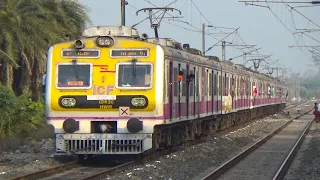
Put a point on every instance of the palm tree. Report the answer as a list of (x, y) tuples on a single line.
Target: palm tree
[(27, 29)]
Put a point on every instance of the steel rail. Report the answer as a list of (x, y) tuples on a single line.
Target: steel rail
[(48, 172), (64, 167), (288, 161), (229, 164), (102, 174)]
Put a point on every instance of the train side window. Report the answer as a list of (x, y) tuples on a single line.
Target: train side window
[(175, 81), (74, 76)]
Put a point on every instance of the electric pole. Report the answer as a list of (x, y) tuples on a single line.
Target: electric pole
[(123, 12), (223, 50), (203, 39), (224, 44)]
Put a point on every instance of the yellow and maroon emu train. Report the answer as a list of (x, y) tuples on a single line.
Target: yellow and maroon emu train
[(114, 92)]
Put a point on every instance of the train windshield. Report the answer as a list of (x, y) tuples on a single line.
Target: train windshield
[(134, 75), (74, 76)]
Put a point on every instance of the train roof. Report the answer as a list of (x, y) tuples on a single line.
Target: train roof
[(173, 48)]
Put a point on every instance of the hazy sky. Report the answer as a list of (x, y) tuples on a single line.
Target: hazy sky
[(258, 26)]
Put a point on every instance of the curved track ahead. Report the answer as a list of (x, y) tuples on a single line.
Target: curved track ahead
[(269, 158)]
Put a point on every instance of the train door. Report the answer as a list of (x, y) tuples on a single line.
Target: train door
[(257, 84), (240, 91), (235, 90), (224, 85), (176, 89), (207, 96), (227, 104), (191, 92), (216, 90), (220, 92), (232, 92), (187, 93), (183, 90), (197, 93), (171, 94), (248, 92), (209, 92), (168, 90), (243, 91), (212, 91), (260, 93), (203, 85), (253, 85)]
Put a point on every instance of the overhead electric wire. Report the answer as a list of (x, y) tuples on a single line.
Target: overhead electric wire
[(216, 27), (237, 35), (274, 11), (286, 27), (293, 8), (188, 29), (202, 15), (153, 13)]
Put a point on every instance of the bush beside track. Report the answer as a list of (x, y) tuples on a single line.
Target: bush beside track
[(21, 120)]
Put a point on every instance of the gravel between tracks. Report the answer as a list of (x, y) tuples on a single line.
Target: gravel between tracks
[(191, 161), (306, 163), (34, 156)]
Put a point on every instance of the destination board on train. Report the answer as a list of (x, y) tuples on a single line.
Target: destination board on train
[(71, 53), (129, 53)]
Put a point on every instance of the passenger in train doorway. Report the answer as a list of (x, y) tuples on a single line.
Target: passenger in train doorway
[(316, 112)]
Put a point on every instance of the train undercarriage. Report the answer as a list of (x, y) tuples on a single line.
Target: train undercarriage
[(179, 133), (173, 135)]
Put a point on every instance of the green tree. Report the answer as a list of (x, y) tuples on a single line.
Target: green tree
[(19, 115), (27, 29)]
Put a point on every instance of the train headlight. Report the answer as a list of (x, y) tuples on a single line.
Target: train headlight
[(104, 41), (138, 102), (78, 44), (68, 102)]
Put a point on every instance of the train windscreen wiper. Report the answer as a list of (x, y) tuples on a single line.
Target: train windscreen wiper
[(75, 69)]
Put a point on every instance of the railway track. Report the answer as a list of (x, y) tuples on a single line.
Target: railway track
[(269, 158), (75, 170)]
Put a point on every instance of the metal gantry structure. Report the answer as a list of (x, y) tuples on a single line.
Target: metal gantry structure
[(296, 32), (155, 22), (153, 18)]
